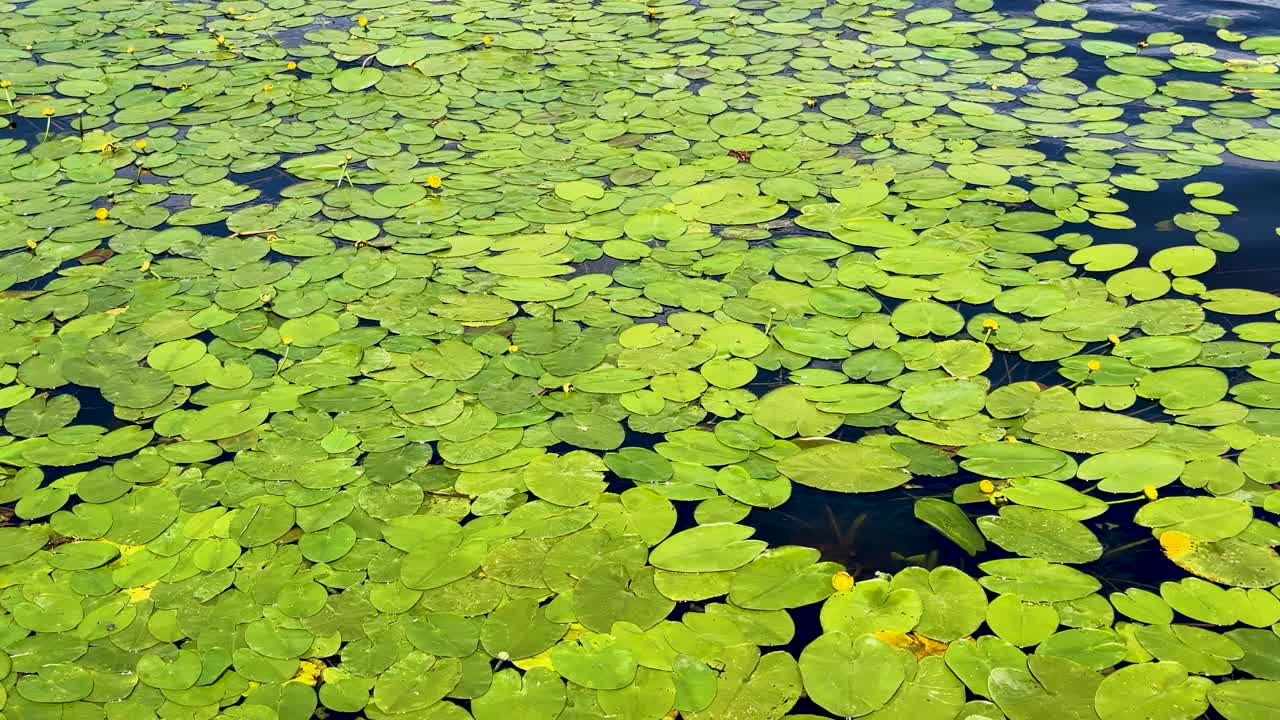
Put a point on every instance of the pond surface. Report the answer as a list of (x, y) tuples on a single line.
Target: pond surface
[(431, 361)]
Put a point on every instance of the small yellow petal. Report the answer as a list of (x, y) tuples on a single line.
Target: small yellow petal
[(1175, 543), (286, 340), (1150, 492)]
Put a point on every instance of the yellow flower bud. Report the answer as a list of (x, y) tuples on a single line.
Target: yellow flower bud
[(268, 87), (5, 83), (986, 487), (513, 348), (146, 265), (129, 50), (1150, 492), (47, 112), (140, 144), (286, 340), (842, 581), (1094, 365), (101, 213), (362, 21), (1113, 339), (434, 182), (486, 40), (291, 65), (990, 324), (31, 244)]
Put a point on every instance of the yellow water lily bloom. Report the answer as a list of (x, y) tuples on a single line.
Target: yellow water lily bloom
[(31, 244), (513, 348), (309, 672), (486, 40), (47, 112), (1175, 543), (1094, 365), (990, 324), (101, 213), (1114, 340), (129, 50), (362, 21), (222, 40), (434, 182), (6, 83), (1150, 492), (986, 487), (286, 340), (291, 65), (145, 266), (842, 581), (140, 144), (268, 87)]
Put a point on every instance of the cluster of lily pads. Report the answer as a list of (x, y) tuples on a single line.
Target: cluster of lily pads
[(431, 360)]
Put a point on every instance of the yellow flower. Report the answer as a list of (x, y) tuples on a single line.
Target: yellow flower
[(291, 65), (513, 348), (1150, 492), (268, 87), (650, 11), (1010, 439), (222, 40), (232, 11), (986, 487), (140, 144), (362, 21), (810, 102), (31, 244), (47, 112), (286, 340), (1175, 543), (1094, 365), (5, 83), (129, 50), (434, 182), (990, 324), (140, 593), (1113, 339), (842, 581), (101, 213), (486, 40), (309, 672), (146, 265)]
